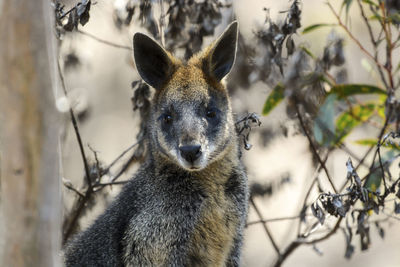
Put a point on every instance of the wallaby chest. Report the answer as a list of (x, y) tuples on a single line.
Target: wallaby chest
[(212, 237), (194, 218)]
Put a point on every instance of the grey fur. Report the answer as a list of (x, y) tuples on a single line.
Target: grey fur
[(170, 214)]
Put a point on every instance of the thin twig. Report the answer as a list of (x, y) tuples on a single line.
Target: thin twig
[(112, 183), (390, 215), (106, 170), (279, 219), (71, 222), (382, 132), (348, 151), (373, 41), (366, 21), (364, 157), (300, 241), (306, 198), (161, 23), (358, 166), (313, 148), (374, 169), (124, 167), (326, 231), (380, 135), (382, 170), (66, 13), (341, 24), (98, 168), (104, 41), (76, 129), (70, 187), (318, 170), (388, 37), (289, 250), (265, 226)]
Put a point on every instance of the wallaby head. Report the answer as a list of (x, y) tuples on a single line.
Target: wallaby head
[(191, 120)]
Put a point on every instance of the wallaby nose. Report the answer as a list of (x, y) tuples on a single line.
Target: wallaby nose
[(190, 153)]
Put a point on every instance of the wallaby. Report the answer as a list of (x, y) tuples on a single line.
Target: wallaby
[(187, 204)]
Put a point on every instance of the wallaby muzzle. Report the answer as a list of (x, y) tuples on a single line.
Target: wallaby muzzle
[(190, 153)]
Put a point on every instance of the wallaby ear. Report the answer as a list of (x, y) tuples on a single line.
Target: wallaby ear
[(152, 61), (220, 57)]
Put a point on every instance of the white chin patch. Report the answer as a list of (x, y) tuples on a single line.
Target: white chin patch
[(195, 166)]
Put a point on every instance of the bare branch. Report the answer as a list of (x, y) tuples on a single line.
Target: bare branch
[(388, 36), (71, 222), (373, 41), (382, 170), (300, 241), (319, 239), (106, 170), (341, 24), (391, 215), (313, 148), (265, 226), (105, 41), (112, 183), (76, 129), (289, 218), (70, 187), (161, 23), (289, 250)]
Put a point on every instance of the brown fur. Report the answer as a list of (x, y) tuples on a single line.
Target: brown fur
[(219, 217), (180, 209)]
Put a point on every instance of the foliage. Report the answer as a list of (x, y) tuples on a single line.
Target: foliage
[(315, 90), (341, 108), (79, 14)]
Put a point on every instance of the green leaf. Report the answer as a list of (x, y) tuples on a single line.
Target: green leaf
[(381, 112), (347, 4), (326, 79), (348, 120), (308, 52), (370, 3), (373, 181), (374, 142), (345, 90), (381, 107), (375, 17), (274, 98), (367, 142), (316, 26), (395, 18), (324, 124)]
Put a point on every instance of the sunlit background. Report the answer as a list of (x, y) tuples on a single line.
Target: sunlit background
[(100, 89)]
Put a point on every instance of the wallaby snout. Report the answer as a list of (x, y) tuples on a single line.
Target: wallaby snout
[(190, 153)]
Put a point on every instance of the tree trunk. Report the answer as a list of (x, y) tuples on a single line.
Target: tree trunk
[(29, 160)]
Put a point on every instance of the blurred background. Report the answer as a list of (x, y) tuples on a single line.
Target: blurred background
[(99, 76)]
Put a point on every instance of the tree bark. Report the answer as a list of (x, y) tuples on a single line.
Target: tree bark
[(30, 195)]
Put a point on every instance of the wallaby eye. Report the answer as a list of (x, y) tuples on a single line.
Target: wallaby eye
[(166, 118), (211, 113)]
